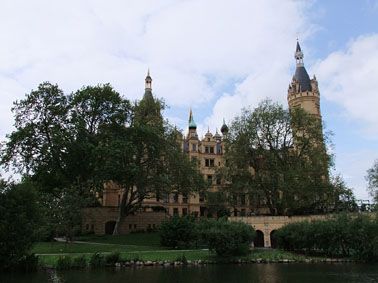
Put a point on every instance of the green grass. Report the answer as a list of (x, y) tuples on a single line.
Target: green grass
[(141, 246), (63, 248), (123, 243), (138, 239), (172, 255)]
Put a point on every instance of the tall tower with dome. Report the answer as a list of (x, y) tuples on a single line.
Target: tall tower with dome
[(303, 92)]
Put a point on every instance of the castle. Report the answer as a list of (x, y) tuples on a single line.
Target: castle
[(303, 92)]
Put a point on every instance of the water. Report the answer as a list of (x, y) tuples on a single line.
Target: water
[(307, 273)]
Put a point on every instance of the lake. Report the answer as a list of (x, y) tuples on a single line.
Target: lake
[(278, 272)]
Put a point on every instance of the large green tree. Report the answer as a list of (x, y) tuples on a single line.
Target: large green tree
[(145, 159), (71, 146), (278, 156)]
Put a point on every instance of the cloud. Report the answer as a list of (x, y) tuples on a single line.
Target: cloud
[(194, 48), (349, 78)]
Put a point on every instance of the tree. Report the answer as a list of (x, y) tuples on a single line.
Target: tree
[(145, 159), (279, 155), (71, 146), (39, 144), (19, 217), (372, 178), (54, 146), (218, 203), (343, 198)]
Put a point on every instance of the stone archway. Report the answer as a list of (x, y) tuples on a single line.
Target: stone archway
[(109, 227), (273, 239), (258, 242)]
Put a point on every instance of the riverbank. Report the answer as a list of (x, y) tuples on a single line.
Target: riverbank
[(172, 258), (144, 250)]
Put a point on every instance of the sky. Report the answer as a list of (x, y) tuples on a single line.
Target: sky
[(214, 56)]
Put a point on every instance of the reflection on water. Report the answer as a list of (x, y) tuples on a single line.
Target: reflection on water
[(270, 273)]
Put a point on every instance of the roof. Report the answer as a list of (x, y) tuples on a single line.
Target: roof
[(192, 124), (224, 128), (298, 49), (303, 78)]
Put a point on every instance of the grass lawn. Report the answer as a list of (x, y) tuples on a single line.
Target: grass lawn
[(172, 255), (108, 243), (140, 246), (139, 239)]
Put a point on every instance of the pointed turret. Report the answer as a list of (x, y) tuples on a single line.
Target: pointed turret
[(148, 85), (224, 128), (301, 75), (192, 124)]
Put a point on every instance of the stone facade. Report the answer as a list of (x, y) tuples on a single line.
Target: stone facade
[(101, 220), (266, 225)]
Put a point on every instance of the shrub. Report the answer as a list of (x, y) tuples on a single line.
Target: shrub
[(226, 238), (178, 232), (64, 263), (28, 263), (341, 236), (113, 258), (19, 216), (79, 262), (97, 260)]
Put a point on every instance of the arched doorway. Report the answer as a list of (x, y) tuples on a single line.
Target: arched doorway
[(273, 239), (258, 242), (109, 227)]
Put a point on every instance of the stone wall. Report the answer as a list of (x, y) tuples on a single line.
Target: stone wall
[(96, 219), (268, 224)]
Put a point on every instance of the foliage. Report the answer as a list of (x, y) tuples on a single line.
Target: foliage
[(113, 258), (372, 178), (178, 232), (278, 157), (79, 262), (19, 216), (64, 263), (217, 204), (342, 236), (226, 238), (97, 260), (343, 198), (70, 146), (28, 263)]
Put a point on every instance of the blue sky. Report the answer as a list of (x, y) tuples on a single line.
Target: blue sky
[(215, 56)]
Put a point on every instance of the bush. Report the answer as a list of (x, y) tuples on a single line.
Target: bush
[(178, 232), (226, 238), (19, 216), (342, 236), (97, 260), (28, 263), (79, 262), (113, 258), (64, 263)]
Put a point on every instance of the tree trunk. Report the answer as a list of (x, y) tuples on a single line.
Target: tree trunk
[(118, 223)]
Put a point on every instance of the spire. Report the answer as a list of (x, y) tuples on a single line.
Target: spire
[(298, 55), (148, 87), (148, 81), (192, 124), (301, 75), (224, 128)]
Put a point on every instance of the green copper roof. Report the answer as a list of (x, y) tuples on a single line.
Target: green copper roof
[(192, 124)]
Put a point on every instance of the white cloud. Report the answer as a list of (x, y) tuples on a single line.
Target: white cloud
[(194, 48), (349, 78)]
